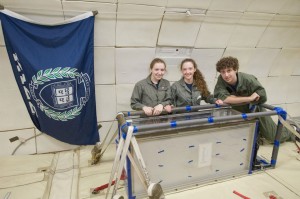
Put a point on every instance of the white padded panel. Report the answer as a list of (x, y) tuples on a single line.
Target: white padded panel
[(26, 148), (229, 5), (105, 20), (216, 29), (133, 64), (286, 62), (47, 144), (7, 79), (278, 33), (291, 7), (124, 92), (13, 114), (145, 2), (28, 191), (255, 61), (293, 109), (140, 28), (106, 102), (206, 60), (105, 72), (198, 4), (266, 6), (173, 71), (249, 29), (276, 89), (179, 30), (32, 6), (293, 94)]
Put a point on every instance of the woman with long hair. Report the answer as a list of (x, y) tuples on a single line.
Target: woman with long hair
[(153, 94), (192, 87)]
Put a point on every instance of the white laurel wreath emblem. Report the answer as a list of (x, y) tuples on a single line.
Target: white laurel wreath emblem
[(57, 73)]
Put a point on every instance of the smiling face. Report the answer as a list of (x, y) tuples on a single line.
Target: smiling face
[(157, 72), (229, 75), (188, 69)]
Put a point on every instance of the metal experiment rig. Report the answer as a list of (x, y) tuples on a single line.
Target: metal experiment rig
[(192, 146)]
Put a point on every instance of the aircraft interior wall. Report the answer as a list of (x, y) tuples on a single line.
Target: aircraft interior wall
[(263, 34)]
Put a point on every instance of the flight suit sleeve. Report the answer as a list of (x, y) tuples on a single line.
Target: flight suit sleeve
[(136, 98), (173, 94), (220, 91), (168, 98), (210, 99), (259, 89)]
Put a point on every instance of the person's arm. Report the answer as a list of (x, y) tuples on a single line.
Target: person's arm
[(260, 90), (232, 99), (136, 98)]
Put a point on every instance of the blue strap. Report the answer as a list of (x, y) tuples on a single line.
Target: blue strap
[(244, 116), (210, 120), (173, 124), (128, 113), (188, 108), (276, 143)]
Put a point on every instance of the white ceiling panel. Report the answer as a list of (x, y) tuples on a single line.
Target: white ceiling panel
[(43, 7), (251, 26), (293, 94), (105, 72), (106, 102), (276, 90), (179, 30), (293, 41), (100, 1), (286, 63), (279, 32), (145, 2), (133, 64), (256, 61), (138, 25), (206, 60), (124, 92), (217, 29), (105, 21), (198, 4), (229, 5), (291, 7), (266, 6)]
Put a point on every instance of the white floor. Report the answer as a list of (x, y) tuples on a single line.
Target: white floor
[(69, 174)]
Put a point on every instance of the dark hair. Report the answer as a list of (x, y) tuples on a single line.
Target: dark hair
[(227, 62), (198, 78), (157, 60)]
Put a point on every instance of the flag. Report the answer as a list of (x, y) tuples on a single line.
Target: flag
[(54, 68)]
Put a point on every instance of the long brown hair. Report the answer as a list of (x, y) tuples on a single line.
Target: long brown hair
[(199, 80)]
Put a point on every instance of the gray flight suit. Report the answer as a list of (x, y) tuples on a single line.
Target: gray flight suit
[(145, 93), (247, 85), (183, 96)]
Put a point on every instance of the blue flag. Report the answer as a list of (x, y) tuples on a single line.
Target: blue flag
[(54, 69)]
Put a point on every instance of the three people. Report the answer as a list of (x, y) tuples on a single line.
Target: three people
[(192, 87), (153, 94), (235, 87)]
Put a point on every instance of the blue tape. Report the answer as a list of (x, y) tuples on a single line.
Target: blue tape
[(217, 105), (281, 112), (173, 124), (128, 113), (135, 129), (124, 135), (210, 120), (276, 143), (244, 116), (273, 162), (188, 108), (123, 126)]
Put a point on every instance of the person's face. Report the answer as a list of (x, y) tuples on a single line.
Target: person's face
[(188, 71), (158, 71), (229, 75)]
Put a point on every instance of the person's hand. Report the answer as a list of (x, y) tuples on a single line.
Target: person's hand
[(148, 110), (219, 102), (254, 97), (168, 108), (158, 109)]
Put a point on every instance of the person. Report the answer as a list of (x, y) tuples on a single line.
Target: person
[(192, 87), (153, 94), (235, 87)]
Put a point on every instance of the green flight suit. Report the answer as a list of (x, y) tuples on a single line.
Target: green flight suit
[(246, 86), (183, 96), (145, 93)]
